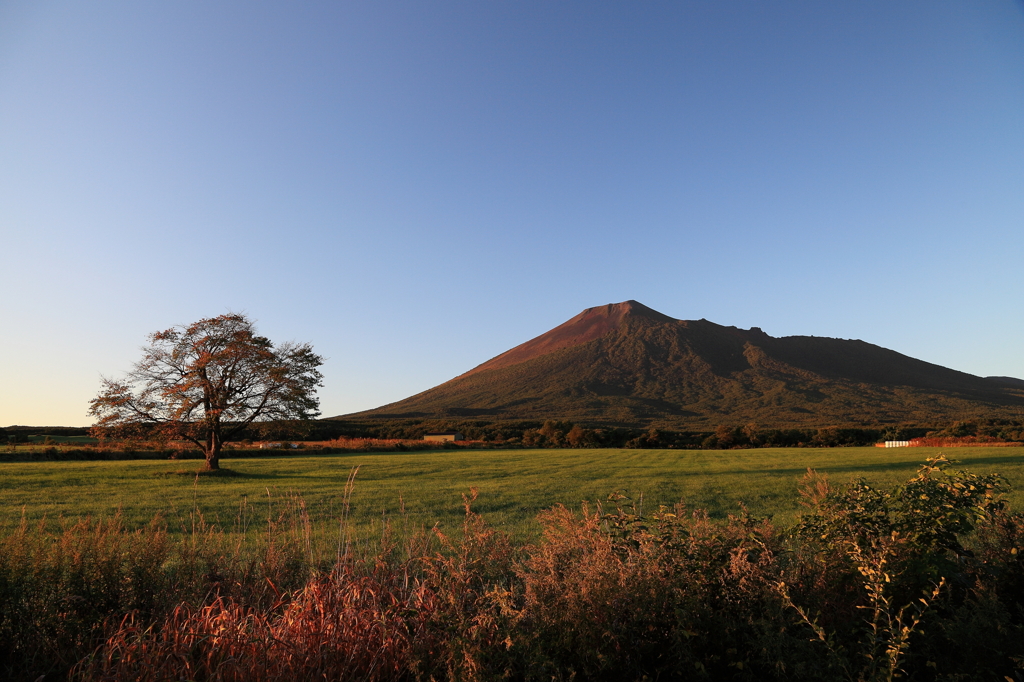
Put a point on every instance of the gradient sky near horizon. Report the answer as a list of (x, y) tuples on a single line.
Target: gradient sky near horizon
[(417, 187)]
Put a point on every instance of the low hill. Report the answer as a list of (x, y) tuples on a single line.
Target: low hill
[(626, 364)]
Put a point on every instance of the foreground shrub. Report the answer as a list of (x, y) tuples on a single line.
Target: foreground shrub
[(476, 589), (895, 587), (57, 589), (609, 597)]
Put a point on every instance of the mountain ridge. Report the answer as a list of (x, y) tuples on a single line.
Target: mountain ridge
[(627, 364)]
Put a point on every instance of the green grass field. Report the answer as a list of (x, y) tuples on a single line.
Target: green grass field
[(513, 485)]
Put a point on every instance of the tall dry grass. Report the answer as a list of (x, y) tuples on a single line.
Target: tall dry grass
[(343, 626), (434, 608)]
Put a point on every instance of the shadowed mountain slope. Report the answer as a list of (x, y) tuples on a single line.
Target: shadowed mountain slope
[(625, 364)]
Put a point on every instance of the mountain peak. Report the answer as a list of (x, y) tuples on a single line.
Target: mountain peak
[(617, 311), (591, 324)]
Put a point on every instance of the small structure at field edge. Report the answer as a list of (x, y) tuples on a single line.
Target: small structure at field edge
[(939, 442), (443, 436)]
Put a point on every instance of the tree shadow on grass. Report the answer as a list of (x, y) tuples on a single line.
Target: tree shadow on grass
[(215, 474)]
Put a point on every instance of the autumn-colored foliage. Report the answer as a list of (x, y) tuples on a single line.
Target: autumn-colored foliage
[(342, 626), (205, 383)]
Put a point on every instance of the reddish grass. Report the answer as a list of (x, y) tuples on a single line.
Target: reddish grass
[(342, 626)]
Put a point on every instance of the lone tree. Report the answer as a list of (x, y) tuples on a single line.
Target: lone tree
[(206, 383)]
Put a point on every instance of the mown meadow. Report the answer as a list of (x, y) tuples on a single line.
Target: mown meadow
[(518, 565), (426, 488)]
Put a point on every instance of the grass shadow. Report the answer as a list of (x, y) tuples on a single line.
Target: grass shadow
[(877, 467), (205, 473)]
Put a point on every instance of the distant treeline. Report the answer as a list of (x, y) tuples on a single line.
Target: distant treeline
[(45, 430), (566, 434), (22, 434), (558, 434)]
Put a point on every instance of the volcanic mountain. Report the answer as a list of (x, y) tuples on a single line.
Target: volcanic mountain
[(626, 364)]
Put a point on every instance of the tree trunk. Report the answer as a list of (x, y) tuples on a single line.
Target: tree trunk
[(213, 446)]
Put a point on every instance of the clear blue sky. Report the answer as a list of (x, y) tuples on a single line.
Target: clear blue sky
[(416, 187)]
